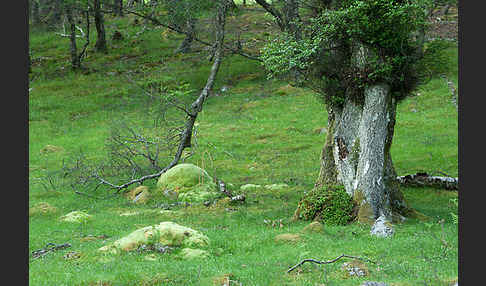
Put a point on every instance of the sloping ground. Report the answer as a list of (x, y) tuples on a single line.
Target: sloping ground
[(444, 26), (259, 132)]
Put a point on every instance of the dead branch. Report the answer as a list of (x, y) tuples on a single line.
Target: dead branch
[(173, 28), (195, 108), (426, 180), (327, 262), (222, 188), (44, 251)]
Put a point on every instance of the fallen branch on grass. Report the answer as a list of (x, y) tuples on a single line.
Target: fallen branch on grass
[(192, 112), (44, 251), (426, 180), (222, 188), (327, 262)]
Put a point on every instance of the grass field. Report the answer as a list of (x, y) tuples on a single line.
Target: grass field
[(259, 131)]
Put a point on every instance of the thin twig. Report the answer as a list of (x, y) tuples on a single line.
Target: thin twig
[(327, 262)]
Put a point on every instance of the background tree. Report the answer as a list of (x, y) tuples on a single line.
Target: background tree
[(286, 14), (100, 27), (361, 57), (118, 8), (71, 9)]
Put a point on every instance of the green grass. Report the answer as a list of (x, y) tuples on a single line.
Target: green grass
[(259, 132)]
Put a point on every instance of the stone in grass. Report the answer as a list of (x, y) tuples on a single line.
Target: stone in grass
[(41, 208), (373, 283), (76, 216), (382, 227), (250, 187), (150, 257), (138, 195), (193, 253), (187, 183), (355, 268), (166, 233), (276, 187), (288, 238), (314, 226), (51, 149)]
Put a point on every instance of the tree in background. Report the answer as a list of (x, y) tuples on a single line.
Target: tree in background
[(100, 27), (118, 8), (183, 14), (286, 14)]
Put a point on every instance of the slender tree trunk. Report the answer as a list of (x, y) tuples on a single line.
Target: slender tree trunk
[(75, 60), (100, 28), (57, 13), (29, 63), (291, 16), (35, 13), (118, 9), (44, 8), (185, 46)]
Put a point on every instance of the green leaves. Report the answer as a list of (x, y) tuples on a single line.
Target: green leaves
[(285, 54), (329, 48)]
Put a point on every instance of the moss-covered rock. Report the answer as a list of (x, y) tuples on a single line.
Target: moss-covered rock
[(188, 183), (193, 253), (42, 208), (276, 187), (288, 238), (166, 233), (76, 216), (51, 149), (250, 187), (314, 227)]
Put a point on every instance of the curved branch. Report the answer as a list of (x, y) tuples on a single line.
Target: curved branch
[(196, 107), (326, 262)]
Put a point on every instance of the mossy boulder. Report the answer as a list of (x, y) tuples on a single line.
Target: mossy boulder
[(51, 149), (288, 238), (193, 253), (188, 183), (250, 187), (276, 187), (76, 216), (314, 227), (166, 233), (42, 208)]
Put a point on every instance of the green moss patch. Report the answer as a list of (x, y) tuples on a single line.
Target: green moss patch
[(330, 204)]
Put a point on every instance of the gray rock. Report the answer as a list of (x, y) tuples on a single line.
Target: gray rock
[(373, 283), (382, 227), (354, 270)]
